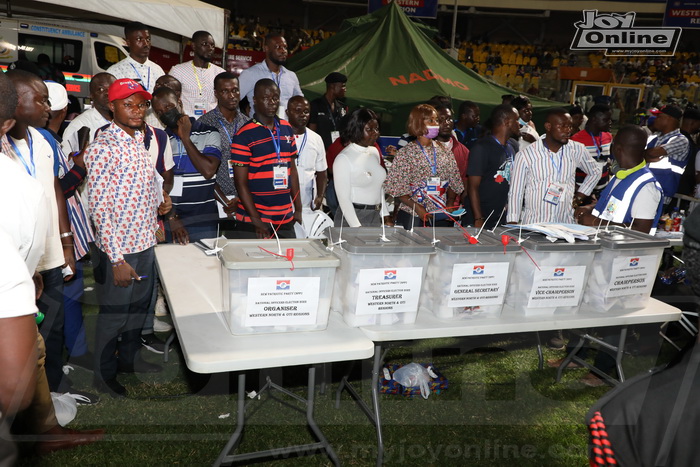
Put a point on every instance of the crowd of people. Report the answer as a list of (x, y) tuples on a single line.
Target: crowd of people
[(180, 157)]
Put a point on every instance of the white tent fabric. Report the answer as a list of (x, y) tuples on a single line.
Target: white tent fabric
[(181, 17)]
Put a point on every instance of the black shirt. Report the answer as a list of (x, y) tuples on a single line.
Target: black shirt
[(325, 120), (486, 158)]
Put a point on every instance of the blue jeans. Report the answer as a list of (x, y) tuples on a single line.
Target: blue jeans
[(74, 330), (122, 311)]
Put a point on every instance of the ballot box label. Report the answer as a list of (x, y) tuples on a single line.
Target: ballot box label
[(476, 284), (557, 286), (282, 301), (388, 290), (632, 275)]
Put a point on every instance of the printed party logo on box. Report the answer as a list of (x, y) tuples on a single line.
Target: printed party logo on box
[(559, 272), (390, 275), (284, 284), (478, 269), (634, 262)]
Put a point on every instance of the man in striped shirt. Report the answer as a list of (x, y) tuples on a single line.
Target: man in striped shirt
[(197, 157), (543, 182), (263, 154)]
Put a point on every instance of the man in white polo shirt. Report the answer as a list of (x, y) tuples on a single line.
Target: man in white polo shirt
[(197, 76)]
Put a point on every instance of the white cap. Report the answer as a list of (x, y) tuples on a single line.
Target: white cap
[(58, 97)]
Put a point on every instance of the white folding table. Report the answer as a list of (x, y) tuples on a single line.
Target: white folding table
[(192, 286), (427, 326)]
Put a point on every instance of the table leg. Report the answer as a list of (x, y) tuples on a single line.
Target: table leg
[(620, 353), (540, 357), (312, 422), (569, 358), (168, 342), (376, 367), (240, 422)]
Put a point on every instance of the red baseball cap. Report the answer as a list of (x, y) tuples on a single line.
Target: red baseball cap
[(125, 87)]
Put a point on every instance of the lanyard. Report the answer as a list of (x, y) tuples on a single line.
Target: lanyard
[(331, 115), (303, 143), (148, 84), (506, 147), (180, 152), (598, 148), (31, 167), (196, 75), (433, 166), (277, 77), (561, 159), (276, 142), (228, 135)]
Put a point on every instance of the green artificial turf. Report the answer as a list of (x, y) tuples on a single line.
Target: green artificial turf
[(499, 410)]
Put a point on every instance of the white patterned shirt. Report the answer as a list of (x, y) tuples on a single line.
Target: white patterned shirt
[(197, 86), (121, 193), (145, 73), (535, 169)]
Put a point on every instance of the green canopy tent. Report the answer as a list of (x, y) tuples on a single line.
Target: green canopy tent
[(392, 65)]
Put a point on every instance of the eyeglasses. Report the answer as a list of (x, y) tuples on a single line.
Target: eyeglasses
[(142, 106)]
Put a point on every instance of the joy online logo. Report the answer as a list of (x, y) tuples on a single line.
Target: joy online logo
[(616, 34), (478, 269), (634, 262), (284, 284), (390, 275), (559, 272)]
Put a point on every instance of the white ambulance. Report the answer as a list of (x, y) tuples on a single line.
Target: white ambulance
[(79, 54)]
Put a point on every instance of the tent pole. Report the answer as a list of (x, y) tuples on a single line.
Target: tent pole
[(9, 8), (454, 26)]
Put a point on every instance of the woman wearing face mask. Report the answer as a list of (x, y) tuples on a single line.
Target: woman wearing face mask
[(358, 174), (528, 132), (424, 175)]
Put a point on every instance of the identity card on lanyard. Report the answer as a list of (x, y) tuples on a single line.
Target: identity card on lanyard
[(433, 183), (280, 177), (555, 189)]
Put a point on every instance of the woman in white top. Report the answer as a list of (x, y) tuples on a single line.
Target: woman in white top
[(358, 174), (528, 132)]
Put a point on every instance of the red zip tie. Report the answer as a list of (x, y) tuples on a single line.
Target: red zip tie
[(289, 256), (506, 238), (472, 240)]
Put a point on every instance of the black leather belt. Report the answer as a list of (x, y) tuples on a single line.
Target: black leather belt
[(372, 207)]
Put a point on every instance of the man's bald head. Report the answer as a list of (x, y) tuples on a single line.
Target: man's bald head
[(263, 84), (629, 145), (296, 99)]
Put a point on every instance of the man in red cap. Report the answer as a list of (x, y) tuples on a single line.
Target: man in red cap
[(123, 194)]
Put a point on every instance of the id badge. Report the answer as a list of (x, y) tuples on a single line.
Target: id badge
[(200, 109), (280, 178), (609, 213), (433, 185), (335, 135), (554, 192), (178, 183), (230, 168)]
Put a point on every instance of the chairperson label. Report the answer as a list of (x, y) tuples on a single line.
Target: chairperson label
[(632, 275), (390, 290), (282, 301), (557, 286), (478, 284)]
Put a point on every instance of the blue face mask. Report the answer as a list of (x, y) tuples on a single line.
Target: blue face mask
[(432, 132), (521, 121)]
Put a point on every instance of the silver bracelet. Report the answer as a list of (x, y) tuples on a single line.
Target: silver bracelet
[(66, 234)]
